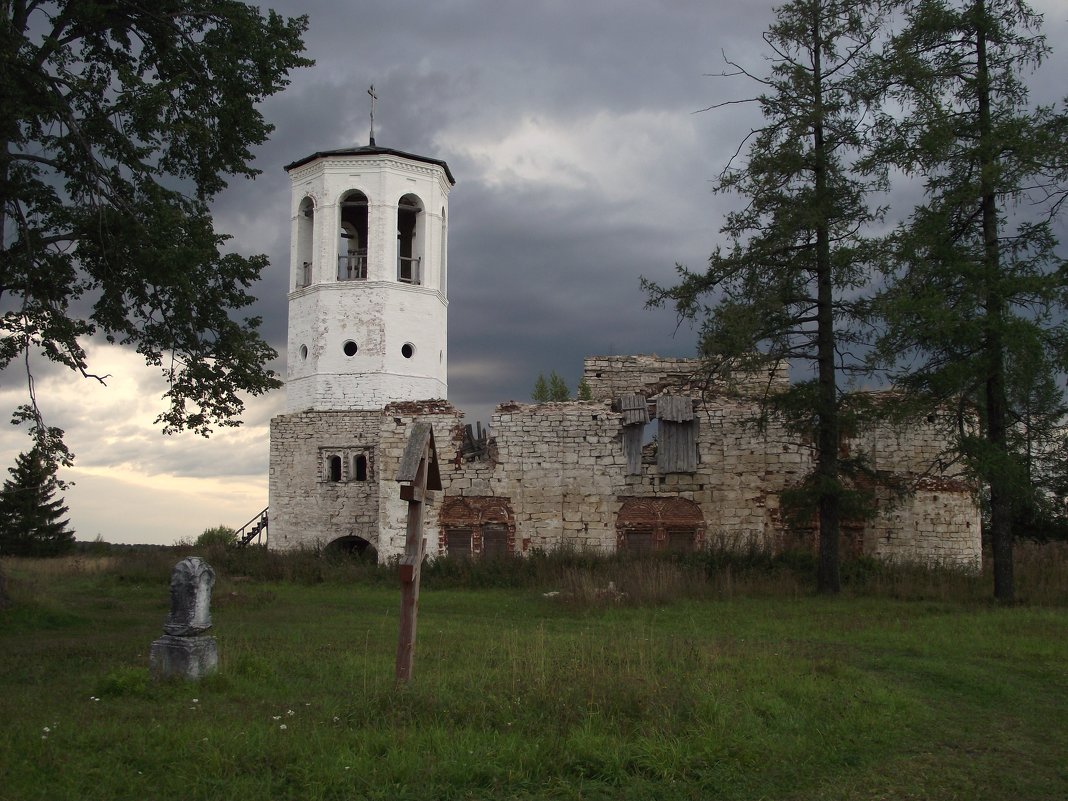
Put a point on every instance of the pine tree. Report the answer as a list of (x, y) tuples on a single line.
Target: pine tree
[(789, 289), (558, 390), (584, 392), (541, 390), (31, 519), (976, 286)]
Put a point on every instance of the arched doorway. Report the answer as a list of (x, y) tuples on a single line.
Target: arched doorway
[(353, 546)]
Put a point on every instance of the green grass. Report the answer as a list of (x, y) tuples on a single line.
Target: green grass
[(740, 686)]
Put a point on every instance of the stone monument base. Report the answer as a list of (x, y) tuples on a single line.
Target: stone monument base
[(188, 658)]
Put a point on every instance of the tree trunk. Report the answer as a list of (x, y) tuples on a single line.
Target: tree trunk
[(828, 579), (996, 402)]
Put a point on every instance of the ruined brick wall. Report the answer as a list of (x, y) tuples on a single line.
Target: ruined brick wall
[(612, 376), (938, 523), (562, 465), (557, 473), (939, 520), (306, 507), (396, 423)]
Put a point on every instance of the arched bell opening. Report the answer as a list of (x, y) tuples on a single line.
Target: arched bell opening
[(352, 237), (411, 236)]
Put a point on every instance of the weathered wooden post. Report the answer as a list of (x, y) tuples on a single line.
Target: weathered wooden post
[(418, 475)]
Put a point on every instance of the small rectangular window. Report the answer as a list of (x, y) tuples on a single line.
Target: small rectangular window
[(495, 542), (680, 539), (458, 542), (334, 467), (638, 540)]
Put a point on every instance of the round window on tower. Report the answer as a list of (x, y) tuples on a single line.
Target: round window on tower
[(303, 352), (350, 348), (407, 350)]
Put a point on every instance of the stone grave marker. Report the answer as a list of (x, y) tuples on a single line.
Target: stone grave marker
[(185, 651)]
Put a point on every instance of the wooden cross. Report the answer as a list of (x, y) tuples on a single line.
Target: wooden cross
[(374, 97), (418, 476)]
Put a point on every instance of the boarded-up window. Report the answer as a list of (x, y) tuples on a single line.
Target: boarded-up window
[(677, 448), (680, 539), (486, 520), (495, 542), (458, 543), (659, 523), (635, 414), (638, 540)]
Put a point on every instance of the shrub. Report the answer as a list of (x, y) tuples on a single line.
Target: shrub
[(217, 536)]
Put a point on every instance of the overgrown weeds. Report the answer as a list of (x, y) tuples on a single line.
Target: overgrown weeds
[(674, 676), (575, 578)]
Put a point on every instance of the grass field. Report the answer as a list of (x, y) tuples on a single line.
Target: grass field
[(720, 680)]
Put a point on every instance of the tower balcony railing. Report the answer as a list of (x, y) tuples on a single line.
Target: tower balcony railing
[(408, 270), (352, 267)]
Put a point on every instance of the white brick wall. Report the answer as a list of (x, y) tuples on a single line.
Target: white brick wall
[(380, 315)]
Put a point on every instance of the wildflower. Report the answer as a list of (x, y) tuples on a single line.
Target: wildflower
[(290, 712), (282, 727), (196, 700), (336, 718), (276, 717), (46, 730)]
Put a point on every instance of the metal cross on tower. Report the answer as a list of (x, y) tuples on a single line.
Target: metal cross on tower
[(374, 97)]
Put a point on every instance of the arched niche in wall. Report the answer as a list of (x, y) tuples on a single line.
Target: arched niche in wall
[(477, 526), (654, 524)]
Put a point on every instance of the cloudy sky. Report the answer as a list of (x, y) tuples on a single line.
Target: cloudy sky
[(580, 165)]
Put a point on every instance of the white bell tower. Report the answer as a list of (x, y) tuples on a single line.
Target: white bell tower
[(368, 291)]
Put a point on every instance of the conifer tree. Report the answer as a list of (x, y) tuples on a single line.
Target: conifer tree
[(541, 390), (584, 393), (789, 288), (975, 285), (31, 519), (558, 390)]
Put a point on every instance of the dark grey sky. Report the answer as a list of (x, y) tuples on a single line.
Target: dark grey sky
[(580, 166)]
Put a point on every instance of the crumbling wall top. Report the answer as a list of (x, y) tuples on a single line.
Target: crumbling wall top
[(612, 376)]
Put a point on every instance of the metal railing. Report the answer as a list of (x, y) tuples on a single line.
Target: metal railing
[(352, 267), (408, 270)]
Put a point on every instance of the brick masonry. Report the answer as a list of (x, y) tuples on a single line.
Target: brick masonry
[(557, 473)]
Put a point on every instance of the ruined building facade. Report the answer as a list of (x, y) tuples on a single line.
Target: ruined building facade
[(651, 463)]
